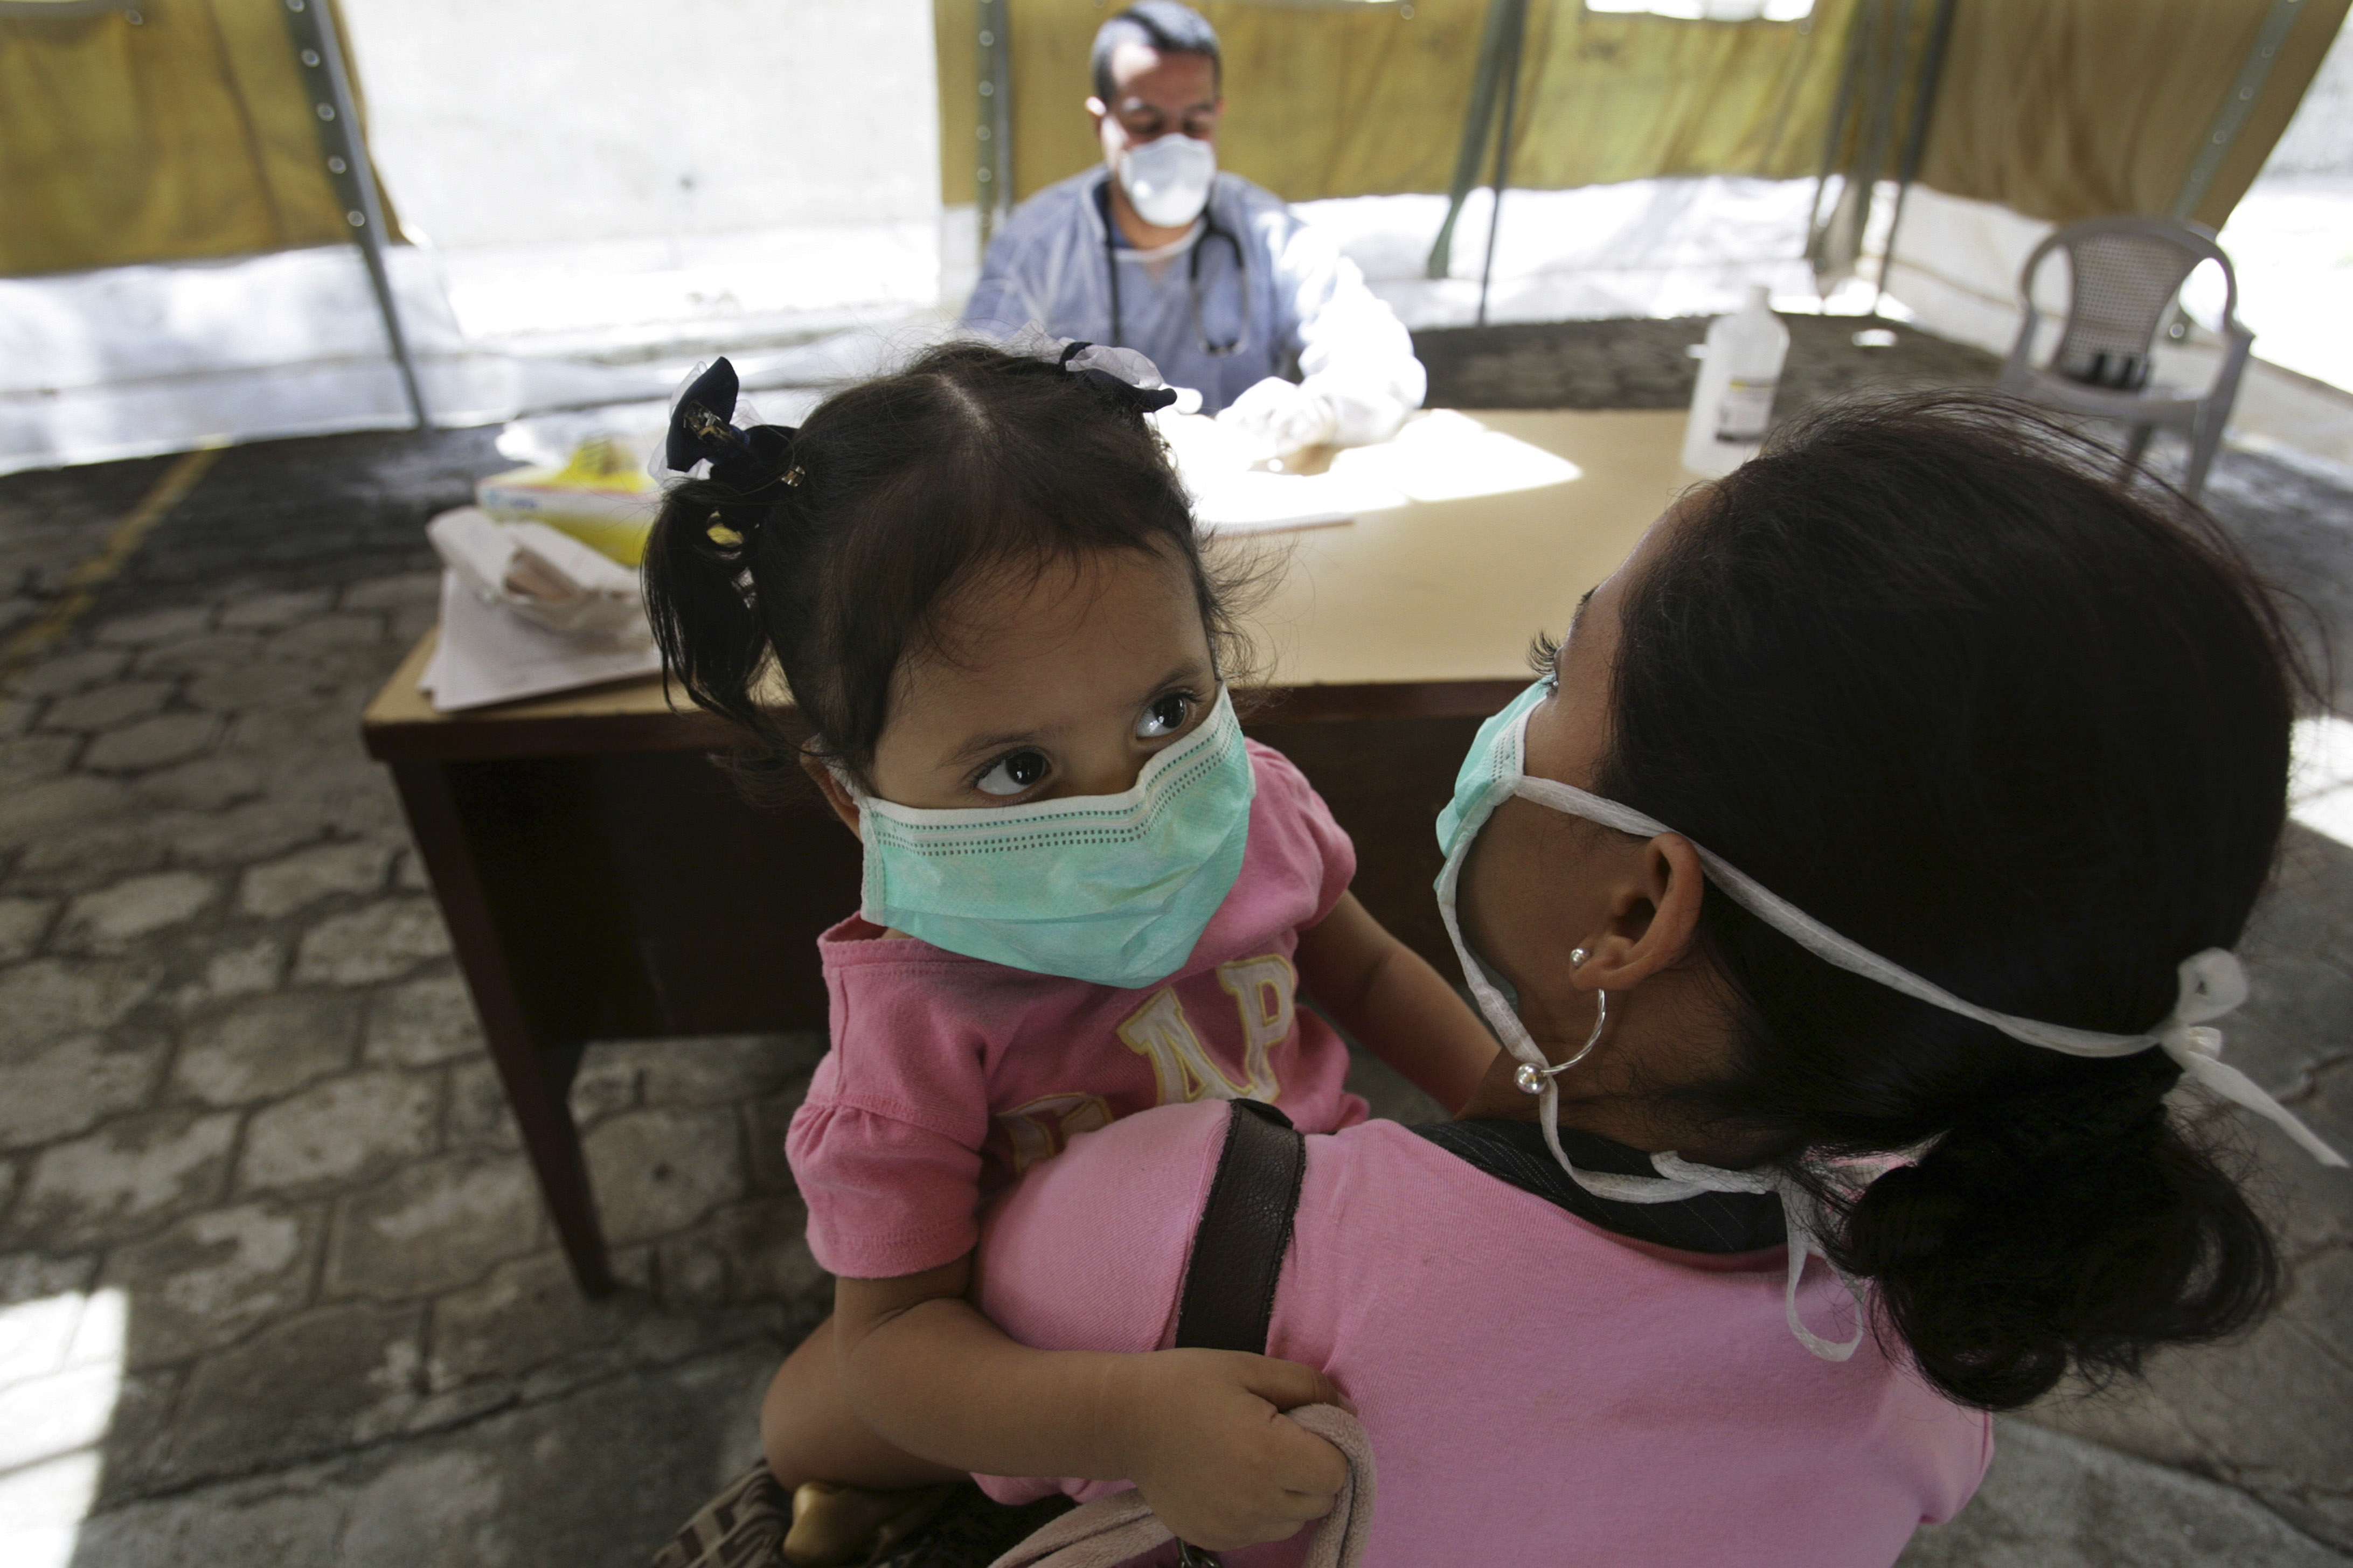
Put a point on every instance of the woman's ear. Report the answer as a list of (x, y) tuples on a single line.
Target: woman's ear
[(1679, 886), (836, 795), (1654, 917)]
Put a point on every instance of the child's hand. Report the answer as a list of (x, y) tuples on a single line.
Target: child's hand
[(1212, 1452)]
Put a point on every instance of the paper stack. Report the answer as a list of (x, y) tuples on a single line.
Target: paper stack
[(526, 611), (1236, 489)]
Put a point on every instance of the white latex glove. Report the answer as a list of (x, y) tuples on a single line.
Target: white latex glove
[(1280, 416)]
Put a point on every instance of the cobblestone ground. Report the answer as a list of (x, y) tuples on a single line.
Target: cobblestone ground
[(274, 1282), (1647, 364), (240, 1085)]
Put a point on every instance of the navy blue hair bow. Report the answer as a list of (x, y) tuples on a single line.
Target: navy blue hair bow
[(699, 429)]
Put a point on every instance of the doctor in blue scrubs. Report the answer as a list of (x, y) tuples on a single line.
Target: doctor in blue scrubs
[(1210, 275)]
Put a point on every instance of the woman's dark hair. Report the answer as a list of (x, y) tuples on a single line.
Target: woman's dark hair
[(895, 493), (1922, 672)]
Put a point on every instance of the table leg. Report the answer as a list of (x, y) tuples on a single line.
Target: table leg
[(536, 1073)]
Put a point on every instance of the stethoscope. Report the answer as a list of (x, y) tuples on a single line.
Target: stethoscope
[(1211, 229)]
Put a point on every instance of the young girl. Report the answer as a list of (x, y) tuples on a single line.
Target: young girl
[(1085, 895)]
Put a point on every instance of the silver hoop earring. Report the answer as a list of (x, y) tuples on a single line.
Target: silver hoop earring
[(1532, 1079)]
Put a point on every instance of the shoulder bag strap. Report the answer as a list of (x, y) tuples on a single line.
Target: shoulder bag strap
[(1245, 1229)]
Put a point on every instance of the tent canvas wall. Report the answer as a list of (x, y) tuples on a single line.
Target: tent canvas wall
[(2055, 109), (171, 235), (179, 268)]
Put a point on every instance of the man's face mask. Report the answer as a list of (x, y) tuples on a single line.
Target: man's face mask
[(1113, 888), (1168, 179)]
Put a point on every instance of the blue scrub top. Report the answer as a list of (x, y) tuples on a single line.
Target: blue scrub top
[(1298, 308)]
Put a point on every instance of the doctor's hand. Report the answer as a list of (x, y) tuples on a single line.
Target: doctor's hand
[(1280, 417), (1210, 1450)]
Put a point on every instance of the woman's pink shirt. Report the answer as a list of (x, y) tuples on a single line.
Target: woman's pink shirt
[(1536, 1389), (949, 1075)]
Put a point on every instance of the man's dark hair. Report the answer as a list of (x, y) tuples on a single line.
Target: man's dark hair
[(1167, 26)]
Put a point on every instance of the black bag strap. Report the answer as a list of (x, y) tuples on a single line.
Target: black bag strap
[(1228, 1297)]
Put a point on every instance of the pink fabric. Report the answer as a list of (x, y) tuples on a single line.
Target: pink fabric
[(1535, 1389), (949, 1075)]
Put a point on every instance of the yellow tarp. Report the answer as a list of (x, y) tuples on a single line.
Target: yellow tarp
[(189, 134), (2059, 109), (2069, 109)]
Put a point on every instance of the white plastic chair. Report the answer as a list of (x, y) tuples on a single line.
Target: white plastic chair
[(2128, 271)]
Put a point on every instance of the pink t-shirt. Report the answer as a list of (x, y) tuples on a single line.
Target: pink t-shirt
[(1536, 1389), (951, 1075)]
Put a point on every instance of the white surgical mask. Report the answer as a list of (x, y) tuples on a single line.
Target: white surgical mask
[(1168, 179), (2211, 985)]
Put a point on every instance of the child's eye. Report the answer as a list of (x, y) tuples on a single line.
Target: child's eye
[(1165, 717), (1012, 774)]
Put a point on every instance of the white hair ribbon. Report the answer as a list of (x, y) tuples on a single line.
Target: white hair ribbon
[(1129, 367)]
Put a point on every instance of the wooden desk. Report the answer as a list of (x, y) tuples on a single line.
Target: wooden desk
[(603, 880)]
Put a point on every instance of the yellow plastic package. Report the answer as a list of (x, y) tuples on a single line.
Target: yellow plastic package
[(602, 497)]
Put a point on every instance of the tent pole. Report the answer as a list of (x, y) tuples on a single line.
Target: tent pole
[(994, 20), (1473, 151), (1516, 42), (1834, 134), (1838, 243), (2231, 118), (319, 52), (1916, 139)]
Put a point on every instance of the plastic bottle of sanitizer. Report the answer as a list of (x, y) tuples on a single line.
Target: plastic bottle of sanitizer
[(1738, 372)]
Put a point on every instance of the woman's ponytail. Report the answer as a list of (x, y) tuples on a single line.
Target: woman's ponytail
[(2076, 1224)]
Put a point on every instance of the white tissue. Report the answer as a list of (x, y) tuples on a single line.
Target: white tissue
[(541, 575)]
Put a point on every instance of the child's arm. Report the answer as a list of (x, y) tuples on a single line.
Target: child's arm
[(1199, 1432), (1385, 994)]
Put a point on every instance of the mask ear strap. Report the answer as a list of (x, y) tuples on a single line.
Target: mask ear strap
[(1801, 1216), (2210, 984), (1677, 1178), (1514, 1034)]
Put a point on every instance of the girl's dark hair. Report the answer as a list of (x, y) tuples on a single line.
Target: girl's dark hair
[(1921, 671), (833, 566)]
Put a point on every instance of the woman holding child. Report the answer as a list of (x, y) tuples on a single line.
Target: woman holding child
[(1853, 887)]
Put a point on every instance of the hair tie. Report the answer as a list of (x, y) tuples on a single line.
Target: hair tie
[(700, 432), (1123, 373)]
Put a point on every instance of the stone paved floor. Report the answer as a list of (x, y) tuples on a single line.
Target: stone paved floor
[(274, 1285), (240, 1085)]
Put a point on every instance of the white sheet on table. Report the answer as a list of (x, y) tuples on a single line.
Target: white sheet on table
[(486, 654), (1440, 455)]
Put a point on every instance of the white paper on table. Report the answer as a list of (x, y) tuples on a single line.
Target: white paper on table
[(1443, 454), (1268, 503), (1440, 455), (1232, 496), (485, 654), (548, 578)]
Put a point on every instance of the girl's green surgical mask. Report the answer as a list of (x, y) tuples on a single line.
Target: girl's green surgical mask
[(1113, 888)]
